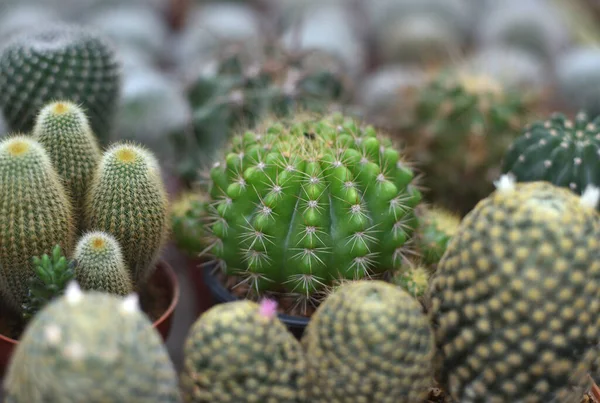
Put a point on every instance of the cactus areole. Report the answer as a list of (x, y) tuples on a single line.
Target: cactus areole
[(297, 205)]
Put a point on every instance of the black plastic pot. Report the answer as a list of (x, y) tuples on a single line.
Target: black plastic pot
[(220, 294)]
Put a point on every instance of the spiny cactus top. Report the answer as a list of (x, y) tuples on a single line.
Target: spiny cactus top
[(91, 347), (436, 228), (559, 150), (369, 341), (128, 181), (299, 204), (35, 214), (58, 62), (63, 129), (187, 216), (516, 298), (413, 279), (241, 352)]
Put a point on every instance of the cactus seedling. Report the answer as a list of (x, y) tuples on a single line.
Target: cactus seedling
[(414, 280), (436, 228), (187, 215), (240, 352)]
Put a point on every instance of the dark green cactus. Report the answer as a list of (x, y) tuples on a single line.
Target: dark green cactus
[(369, 341), (436, 228), (63, 129), (91, 347), (101, 266), (240, 352), (59, 62), (128, 180), (188, 214), (299, 204), (515, 299), (559, 150), (35, 214)]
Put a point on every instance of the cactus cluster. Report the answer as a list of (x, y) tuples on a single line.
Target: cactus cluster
[(241, 352), (515, 300), (301, 203), (559, 150)]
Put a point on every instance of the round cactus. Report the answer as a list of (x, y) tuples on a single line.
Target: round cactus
[(414, 280), (436, 228), (62, 129), (100, 264), (559, 150), (91, 347), (240, 352), (128, 180), (58, 62), (298, 204), (369, 341), (515, 299), (35, 214), (187, 215)]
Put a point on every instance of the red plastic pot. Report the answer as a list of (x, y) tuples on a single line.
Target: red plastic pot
[(164, 276)]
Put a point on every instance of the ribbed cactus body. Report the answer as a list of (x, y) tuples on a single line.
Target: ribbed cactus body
[(369, 341), (127, 199), (100, 264), (58, 62), (515, 300), (240, 352), (35, 214), (91, 347), (302, 203), (436, 228), (63, 130), (559, 150)]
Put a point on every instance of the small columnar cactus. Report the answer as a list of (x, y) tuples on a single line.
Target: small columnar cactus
[(58, 62), (515, 300), (369, 341), (559, 150), (240, 352), (436, 228), (100, 264), (35, 214), (128, 181), (91, 347), (298, 204), (62, 129)]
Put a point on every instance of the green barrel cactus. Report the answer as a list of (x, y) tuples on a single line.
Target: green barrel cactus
[(515, 300), (240, 352), (436, 228), (461, 125), (100, 264), (35, 214), (59, 62), (413, 279), (188, 214), (559, 150), (300, 203), (369, 341), (91, 347), (128, 181), (63, 130)]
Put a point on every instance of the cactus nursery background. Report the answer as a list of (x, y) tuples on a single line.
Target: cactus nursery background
[(341, 201)]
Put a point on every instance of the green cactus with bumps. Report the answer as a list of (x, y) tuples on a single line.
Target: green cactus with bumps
[(63, 130), (461, 125), (413, 279), (91, 347), (59, 62), (559, 150), (188, 214), (240, 352), (515, 299), (436, 228), (369, 341), (300, 203), (35, 214), (128, 181), (101, 266)]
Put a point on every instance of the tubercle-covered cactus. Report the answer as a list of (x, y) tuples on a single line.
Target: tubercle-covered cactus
[(188, 214), (100, 264), (35, 214), (515, 300), (91, 347), (128, 181), (436, 228), (300, 203), (559, 150), (414, 279), (240, 352), (369, 341), (59, 61)]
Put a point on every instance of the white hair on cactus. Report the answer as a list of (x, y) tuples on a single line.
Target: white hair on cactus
[(506, 183), (590, 196), (73, 293), (131, 304)]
